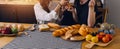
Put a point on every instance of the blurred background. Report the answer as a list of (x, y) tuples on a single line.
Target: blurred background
[(21, 11)]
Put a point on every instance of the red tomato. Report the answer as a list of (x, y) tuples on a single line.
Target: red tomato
[(105, 39), (109, 36), (99, 36)]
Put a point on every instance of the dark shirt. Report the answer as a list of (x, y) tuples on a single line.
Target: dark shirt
[(82, 11), (99, 5), (82, 14), (67, 18)]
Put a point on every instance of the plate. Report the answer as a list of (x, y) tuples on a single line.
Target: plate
[(8, 35), (73, 38)]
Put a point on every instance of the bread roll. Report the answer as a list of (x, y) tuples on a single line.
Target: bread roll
[(78, 25), (83, 30), (63, 30), (75, 27), (43, 27), (21, 27), (75, 32), (57, 33), (70, 27), (66, 28), (68, 34), (54, 25)]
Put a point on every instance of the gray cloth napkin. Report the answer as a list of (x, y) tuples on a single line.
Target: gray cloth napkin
[(41, 40)]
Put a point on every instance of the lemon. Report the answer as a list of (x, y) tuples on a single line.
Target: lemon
[(88, 37), (94, 39)]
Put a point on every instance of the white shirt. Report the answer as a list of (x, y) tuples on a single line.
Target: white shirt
[(41, 14)]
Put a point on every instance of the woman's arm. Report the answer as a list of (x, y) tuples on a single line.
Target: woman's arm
[(91, 14), (41, 14), (91, 17), (60, 15), (60, 8), (74, 13)]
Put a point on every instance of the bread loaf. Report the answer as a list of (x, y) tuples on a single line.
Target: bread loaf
[(53, 25), (62, 31), (20, 27), (83, 30), (58, 33), (43, 27)]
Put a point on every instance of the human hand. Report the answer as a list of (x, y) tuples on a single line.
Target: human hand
[(69, 7), (64, 2), (92, 3)]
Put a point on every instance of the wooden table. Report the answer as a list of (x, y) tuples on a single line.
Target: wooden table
[(115, 44), (41, 40), (5, 40)]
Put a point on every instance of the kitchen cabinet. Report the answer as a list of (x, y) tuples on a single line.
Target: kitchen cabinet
[(17, 13), (25, 14), (7, 13), (20, 11)]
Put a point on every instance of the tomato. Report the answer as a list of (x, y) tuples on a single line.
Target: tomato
[(105, 39), (109, 36), (99, 36)]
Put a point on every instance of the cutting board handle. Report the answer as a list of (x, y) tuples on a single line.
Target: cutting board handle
[(90, 45)]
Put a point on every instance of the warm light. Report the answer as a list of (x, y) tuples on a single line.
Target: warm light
[(18, 1)]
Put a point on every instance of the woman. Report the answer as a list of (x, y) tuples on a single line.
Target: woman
[(68, 15), (100, 12), (43, 13), (86, 12)]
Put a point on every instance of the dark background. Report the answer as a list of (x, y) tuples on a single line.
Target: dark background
[(17, 13)]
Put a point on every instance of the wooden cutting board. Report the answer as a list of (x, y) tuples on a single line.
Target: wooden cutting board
[(115, 44), (5, 40)]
